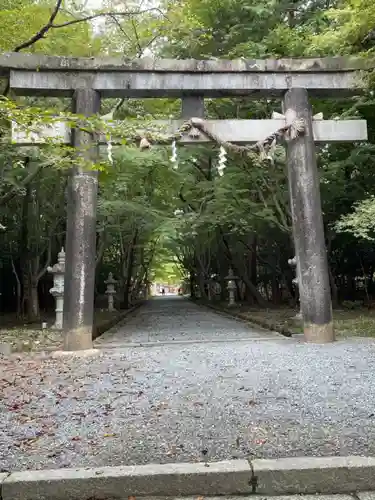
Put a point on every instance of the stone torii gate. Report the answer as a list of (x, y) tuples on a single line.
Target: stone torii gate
[(86, 80)]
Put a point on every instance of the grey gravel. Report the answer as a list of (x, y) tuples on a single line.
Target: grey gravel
[(187, 402), (175, 319)]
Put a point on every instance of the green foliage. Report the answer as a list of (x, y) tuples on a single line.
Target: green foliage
[(361, 222), (165, 267), (21, 19), (149, 215)]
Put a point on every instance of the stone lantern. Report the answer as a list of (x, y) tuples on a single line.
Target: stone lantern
[(231, 278), (110, 292), (58, 271), (293, 263)]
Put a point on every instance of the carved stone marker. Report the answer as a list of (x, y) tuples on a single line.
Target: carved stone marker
[(110, 292), (58, 271)]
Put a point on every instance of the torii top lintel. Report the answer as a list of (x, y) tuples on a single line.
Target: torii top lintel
[(32, 74)]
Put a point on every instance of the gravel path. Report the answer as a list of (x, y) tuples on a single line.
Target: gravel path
[(184, 402), (176, 319)]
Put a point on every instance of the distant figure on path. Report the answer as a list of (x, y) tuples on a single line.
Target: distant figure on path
[(162, 291)]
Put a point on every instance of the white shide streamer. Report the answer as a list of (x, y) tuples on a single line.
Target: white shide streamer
[(174, 157), (222, 161)]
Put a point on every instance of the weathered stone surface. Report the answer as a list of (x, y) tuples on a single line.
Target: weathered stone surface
[(86, 353), (229, 477), (3, 476), (308, 228), (319, 334), (366, 495), (238, 131), (175, 84), (314, 475), (79, 276), (57, 63), (5, 348), (263, 497), (300, 497), (192, 107)]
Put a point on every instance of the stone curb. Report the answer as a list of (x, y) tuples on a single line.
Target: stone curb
[(286, 332), (284, 476), (120, 483), (310, 475), (157, 343), (105, 326)]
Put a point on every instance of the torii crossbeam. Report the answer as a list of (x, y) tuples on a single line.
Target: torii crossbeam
[(86, 80), (235, 131)]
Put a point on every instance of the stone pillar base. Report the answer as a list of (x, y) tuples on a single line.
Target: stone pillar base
[(319, 334), (56, 327)]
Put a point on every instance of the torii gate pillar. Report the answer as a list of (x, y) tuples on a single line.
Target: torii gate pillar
[(81, 233), (308, 230)]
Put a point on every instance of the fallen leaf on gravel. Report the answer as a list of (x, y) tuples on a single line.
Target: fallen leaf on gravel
[(198, 403), (76, 438), (112, 434), (160, 406), (29, 441), (260, 441), (252, 402), (15, 407)]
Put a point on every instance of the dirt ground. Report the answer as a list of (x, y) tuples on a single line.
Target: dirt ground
[(359, 322), (22, 336)]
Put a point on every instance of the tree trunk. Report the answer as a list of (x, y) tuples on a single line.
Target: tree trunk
[(202, 287), (34, 301), (18, 289), (30, 297), (249, 284), (253, 262), (252, 289), (275, 290), (128, 271), (192, 285), (334, 289)]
